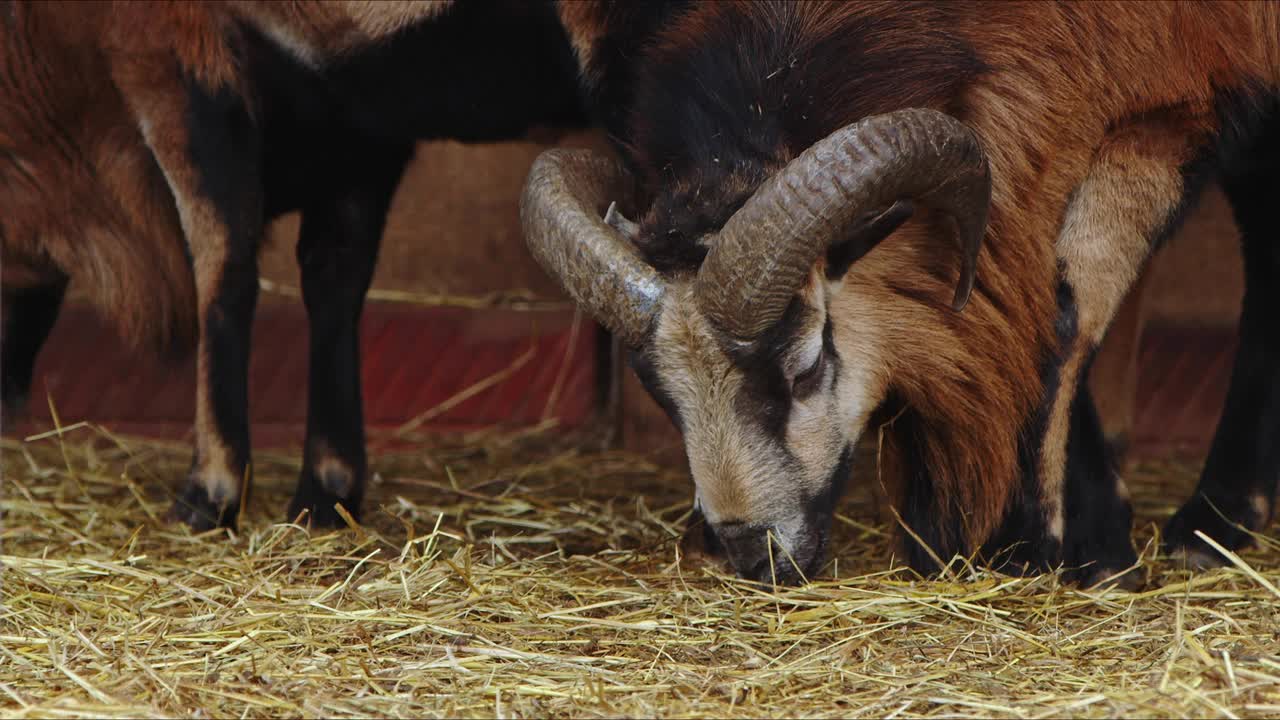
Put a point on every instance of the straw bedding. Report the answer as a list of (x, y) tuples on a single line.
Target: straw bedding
[(519, 576)]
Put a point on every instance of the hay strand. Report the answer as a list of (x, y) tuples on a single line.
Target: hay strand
[(519, 575)]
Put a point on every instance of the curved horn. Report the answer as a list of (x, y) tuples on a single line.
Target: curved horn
[(765, 251), (560, 214)]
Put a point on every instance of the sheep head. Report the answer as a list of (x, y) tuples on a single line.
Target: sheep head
[(743, 353)]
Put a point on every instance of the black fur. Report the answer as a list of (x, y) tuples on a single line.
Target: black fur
[(672, 236), (820, 510), (829, 361), (918, 510), (749, 547), (336, 144), (1244, 460), (29, 316), (1023, 542), (333, 143), (825, 502), (642, 364), (224, 148), (612, 75), (766, 392), (484, 70), (707, 116), (715, 106), (337, 252), (877, 227), (1095, 542), (726, 99), (766, 397), (743, 90), (1097, 521)]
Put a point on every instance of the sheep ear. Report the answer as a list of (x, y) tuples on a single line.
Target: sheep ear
[(866, 235)]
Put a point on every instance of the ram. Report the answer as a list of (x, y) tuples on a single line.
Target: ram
[(143, 146), (812, 185)]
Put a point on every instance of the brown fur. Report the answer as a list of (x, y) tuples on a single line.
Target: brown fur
[(1039, 105), (1082, 106), (82, 194), (99, 182), (588, 24), (90, 99), (1100, 102), (1044, 119), (1134, 186), (961, 372), (319, 30)]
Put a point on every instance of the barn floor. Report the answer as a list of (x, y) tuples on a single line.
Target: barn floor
[(514, 576)]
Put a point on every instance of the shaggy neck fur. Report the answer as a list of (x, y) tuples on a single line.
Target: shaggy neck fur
[(744, 92)]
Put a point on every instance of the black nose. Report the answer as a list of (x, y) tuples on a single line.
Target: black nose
[(757, 556)]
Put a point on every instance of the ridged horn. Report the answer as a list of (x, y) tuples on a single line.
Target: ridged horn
[(766, 250), (560, 213)]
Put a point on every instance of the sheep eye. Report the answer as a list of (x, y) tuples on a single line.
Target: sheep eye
[(807, 382)]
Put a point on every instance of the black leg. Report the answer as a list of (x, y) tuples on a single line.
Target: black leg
[(1029, 539), (1096, 543), (29, 315), (220, 478), (1237, 490), (337, 252), (1093, 542), (214, 160)]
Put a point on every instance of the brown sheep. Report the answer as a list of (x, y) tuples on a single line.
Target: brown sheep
[(144, 145), (781, 305)]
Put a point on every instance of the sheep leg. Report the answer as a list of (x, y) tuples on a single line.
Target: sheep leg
[(206, 142), (1099, 515), (29, 314), (224, 243), (1237, 491), (1132, 195), (337, 252)]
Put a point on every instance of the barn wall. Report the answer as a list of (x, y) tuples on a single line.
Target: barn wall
[(1197, 279)]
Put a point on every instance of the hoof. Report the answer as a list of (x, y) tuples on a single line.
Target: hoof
[(196, 509), (1227, 522), (313, 496), (320, 513), (1197, 559), (15, 394), (1127, 578)]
